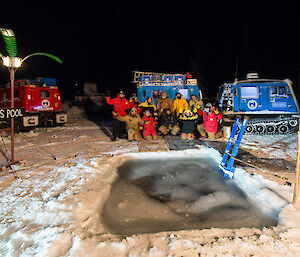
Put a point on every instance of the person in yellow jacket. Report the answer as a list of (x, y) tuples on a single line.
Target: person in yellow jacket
[(148, 105), (179, 104)]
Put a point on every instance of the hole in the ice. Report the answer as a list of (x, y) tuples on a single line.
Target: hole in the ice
[(177, 194)]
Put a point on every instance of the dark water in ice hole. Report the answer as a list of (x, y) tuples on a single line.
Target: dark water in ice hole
[(177, 194)]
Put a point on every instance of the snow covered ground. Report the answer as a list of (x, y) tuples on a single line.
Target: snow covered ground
[(66, 174)]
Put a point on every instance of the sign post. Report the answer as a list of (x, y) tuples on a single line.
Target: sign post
[(12, 81), (297, 180)]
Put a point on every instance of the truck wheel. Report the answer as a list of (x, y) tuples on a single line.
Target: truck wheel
[(271, 129), (283, 129), (293, 123), (249, 129), (260, 128)]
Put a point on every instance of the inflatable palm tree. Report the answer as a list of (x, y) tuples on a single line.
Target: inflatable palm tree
[(11, 47), (12, 62)]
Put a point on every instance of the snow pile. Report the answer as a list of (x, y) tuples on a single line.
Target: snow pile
[(33, 212), (73, 111)]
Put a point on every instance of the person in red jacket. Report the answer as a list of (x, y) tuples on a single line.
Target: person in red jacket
[(210, 123), (149, 131), (120, 106), (134, 103)]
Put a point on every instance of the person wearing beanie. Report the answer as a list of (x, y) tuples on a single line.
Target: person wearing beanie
[(179, 104), (168, 123), (133, 122), (148, 105), (188, 120), (196, 103), (149, 132), (120, 105), (164, 103), (209, 128), (134, 103)]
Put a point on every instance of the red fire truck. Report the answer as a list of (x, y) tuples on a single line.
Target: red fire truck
[(36, 104)]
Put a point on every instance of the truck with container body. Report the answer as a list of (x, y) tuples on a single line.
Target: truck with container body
[(152, 84)]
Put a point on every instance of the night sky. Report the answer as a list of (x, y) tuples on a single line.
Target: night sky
[(103, 41)]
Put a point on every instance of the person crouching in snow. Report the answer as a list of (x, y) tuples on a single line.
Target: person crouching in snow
[(188, 120), (149, 131), (133, 120), (168, 123), (210, 122)]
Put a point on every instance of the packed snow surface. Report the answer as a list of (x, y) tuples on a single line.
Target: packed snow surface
[(54, 208)]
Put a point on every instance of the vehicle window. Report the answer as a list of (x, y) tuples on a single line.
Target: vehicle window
[(16, 94), (184, 92), (282, 91), (44, 94), (249, 92), (144, 93), (278, 91), (273, 91)]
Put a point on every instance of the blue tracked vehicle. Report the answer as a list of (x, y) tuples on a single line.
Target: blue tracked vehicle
[(152, 84), (270, 104)]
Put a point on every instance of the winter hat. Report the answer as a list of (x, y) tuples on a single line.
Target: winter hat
[(208, 105), (188, 113), (133, 109)]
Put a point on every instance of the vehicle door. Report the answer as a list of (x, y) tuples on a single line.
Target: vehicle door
[(249, 98), (279, 97)]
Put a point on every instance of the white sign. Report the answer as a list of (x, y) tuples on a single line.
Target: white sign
[(11, 113), (252, 104)]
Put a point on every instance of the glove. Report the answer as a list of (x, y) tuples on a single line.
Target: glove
[(115, 113), (217, 111), (195, 110), (108, 93), (180, 111), (140, 127)]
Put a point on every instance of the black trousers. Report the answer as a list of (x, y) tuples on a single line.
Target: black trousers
[(118, 129)]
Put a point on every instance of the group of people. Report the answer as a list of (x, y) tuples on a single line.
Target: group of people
[(166, 117)]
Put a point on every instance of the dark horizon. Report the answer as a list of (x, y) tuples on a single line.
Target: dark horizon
[(105, 41)]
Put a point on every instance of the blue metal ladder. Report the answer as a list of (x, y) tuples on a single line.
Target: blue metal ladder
[(231, 150)]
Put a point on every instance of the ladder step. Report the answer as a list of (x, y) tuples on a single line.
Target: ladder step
[(226, 165)]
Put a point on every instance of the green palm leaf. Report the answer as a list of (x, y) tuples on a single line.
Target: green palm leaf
[(55, 58), (10, 42)]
